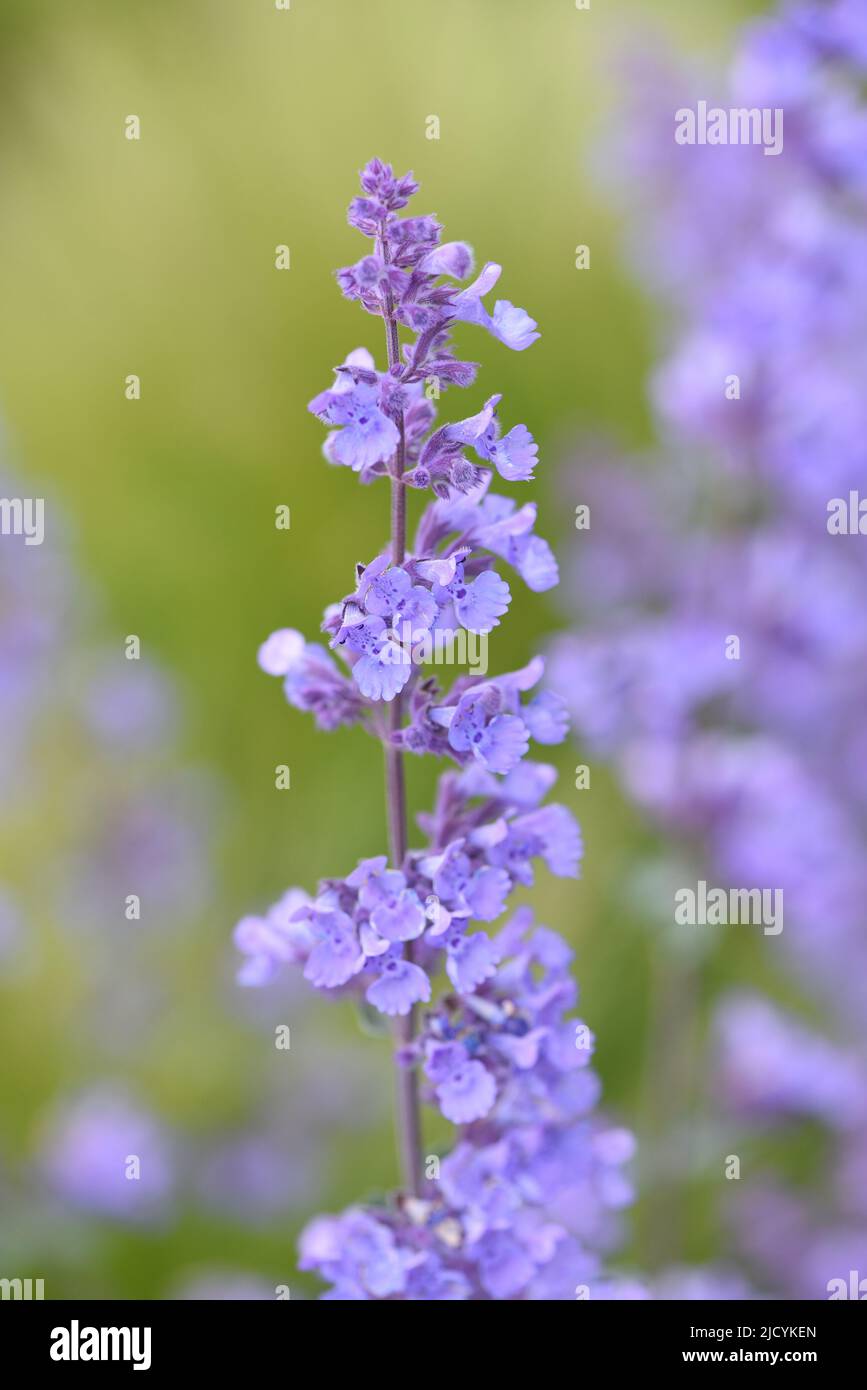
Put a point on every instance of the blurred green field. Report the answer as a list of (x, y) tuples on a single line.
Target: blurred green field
[(156, 258)]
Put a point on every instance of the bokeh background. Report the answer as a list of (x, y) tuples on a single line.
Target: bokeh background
[(156, 257)]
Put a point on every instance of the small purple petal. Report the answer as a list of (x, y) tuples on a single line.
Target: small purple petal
[(503, 743), (481, 603), (401, 985)]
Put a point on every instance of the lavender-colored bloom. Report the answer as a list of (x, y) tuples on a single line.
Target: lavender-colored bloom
[(273, 940), (512, 326), (282, 652), (366, 435), (356, 927), (550, 833), (400, 985), (104, 1152), (395, 910), (496, 1050), (479, 603), (531, 1187), (481, 520), (476, 725), (311, 679), (547, 718), (337, 954), (513, 455), (357, 1242), (382, 667), (465, 1089), (760, 402), (471, 959)]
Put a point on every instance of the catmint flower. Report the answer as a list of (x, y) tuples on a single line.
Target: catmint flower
[(312, 682), (366, 436), (465, 1089), (550, 833), (483, 521), (400, 985), (478, 603), (395, 910), (546, 717), (381, 666), (512, 326), (492, 1047), (753, 762), (513, 455), (484, 720), (476, 725), (273, 940), (336, 954), (472, 959)]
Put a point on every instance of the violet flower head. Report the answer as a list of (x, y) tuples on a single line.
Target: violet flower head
[(527, 1198)]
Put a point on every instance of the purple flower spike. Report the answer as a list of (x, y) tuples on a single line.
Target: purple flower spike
[(525, 1198)]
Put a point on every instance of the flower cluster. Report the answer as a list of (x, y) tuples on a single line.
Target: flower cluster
[(530, 1194), (754, 753), (352, 936), (522, 1205), (398, 615), (406, 280)]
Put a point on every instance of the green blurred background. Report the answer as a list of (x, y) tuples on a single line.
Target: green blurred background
[(156, 257)]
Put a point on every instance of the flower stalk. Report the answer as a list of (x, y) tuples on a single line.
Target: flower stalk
[(407, 1108), (496, 1053)]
